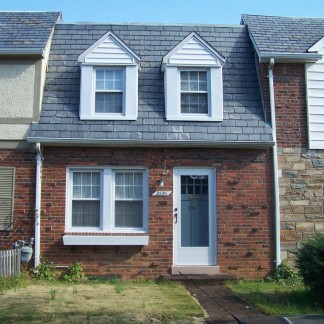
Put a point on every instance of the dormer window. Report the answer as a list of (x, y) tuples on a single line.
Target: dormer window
[(109, 81), (109, 90), (194, 92), (193, 81)]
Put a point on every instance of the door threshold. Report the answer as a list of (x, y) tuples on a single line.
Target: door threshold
[(195, 270)]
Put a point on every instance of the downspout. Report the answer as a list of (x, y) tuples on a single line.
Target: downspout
[(38, 203), (275, 164)]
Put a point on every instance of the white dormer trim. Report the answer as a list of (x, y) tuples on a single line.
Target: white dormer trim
[(109, 52), (193, 54), (315, 98), (109, 49), (193, 51)]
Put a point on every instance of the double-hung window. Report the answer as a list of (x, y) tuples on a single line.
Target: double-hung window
[(194, 92), (86, 199), (109, 90), (107, 199)]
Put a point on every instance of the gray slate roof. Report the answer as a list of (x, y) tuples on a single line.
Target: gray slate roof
[(284, 34), (243, 113), (25, 32)]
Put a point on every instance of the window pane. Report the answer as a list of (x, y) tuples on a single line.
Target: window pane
[(194, 103), (86, 185), (109, 79), (86, 213), (109, 102), (129, 214)]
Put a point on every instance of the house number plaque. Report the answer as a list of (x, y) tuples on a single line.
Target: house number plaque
[(161, 193)]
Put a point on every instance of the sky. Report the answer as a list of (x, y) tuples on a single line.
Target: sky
[(167, 11)]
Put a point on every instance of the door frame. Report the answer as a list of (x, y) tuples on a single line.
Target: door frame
[(210, 255)]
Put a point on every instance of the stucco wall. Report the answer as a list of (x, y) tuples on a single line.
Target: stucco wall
[(17, 90)]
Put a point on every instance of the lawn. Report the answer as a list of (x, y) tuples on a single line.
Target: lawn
[(96, 301), (278, 298)]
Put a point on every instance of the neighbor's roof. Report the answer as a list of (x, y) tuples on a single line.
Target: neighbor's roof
[(284, 35), (26, 32), (243, 123)]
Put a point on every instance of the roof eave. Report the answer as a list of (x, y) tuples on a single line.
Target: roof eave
[(157, 143), (289, 57), (23, 52)]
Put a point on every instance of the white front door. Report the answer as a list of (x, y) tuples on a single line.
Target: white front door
[(194, 216)]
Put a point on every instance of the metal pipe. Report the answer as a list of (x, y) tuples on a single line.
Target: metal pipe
[(38, 192), (275, 164)]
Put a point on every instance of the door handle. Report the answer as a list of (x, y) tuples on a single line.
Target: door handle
[(175, 216)]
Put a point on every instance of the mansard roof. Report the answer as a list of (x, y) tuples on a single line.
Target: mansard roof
[(243, 120)]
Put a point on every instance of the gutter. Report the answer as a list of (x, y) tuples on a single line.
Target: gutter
[(38, 191), (290, 57), (156, 143), (275, 164)]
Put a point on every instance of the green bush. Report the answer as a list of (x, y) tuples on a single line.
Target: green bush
[(285, 274), (45, 271), (74, 273), (310, 262)]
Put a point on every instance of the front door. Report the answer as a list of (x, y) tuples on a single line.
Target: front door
[(194, 216)]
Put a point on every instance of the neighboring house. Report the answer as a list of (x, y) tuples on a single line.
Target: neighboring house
[(293, 47), (24, 49), (155, 152)]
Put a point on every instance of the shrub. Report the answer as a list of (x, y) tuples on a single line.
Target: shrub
[(73, 273), (285, 274), (310, 262), (45, 271)]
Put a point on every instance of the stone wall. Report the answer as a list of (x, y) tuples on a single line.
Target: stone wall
[(301, 184), (301, 171)]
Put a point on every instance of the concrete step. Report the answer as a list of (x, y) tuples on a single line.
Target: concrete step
[(199, 279)]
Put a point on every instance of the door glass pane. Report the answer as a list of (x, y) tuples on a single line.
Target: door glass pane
[(194, 211)]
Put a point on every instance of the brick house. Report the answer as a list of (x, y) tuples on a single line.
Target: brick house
[(295, 46), (156, 155), (24, 50), (155, 151)]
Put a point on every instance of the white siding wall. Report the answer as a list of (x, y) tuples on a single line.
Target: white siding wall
[(315, 98)]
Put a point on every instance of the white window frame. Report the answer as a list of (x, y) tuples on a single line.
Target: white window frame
[(88, 90), (107, 217), (172, 81)]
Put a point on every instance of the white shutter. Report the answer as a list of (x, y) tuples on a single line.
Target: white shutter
[(7, 184)]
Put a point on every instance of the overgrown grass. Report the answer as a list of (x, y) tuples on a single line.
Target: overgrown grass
[(278, 298), (13, 282), (97, 301)]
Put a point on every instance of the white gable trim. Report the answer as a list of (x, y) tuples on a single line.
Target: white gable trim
[(193, 51), (109, 50)]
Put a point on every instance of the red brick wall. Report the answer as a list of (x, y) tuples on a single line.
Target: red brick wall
[(24, 201), (244, 210), (290, 103)]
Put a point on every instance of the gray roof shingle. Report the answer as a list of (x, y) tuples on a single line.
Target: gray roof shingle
[(284, 34), (26, 32), (60, 120)]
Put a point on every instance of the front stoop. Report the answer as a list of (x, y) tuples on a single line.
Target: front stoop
[(195, 270)]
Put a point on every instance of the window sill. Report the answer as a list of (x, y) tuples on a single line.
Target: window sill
[(105, 240)]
